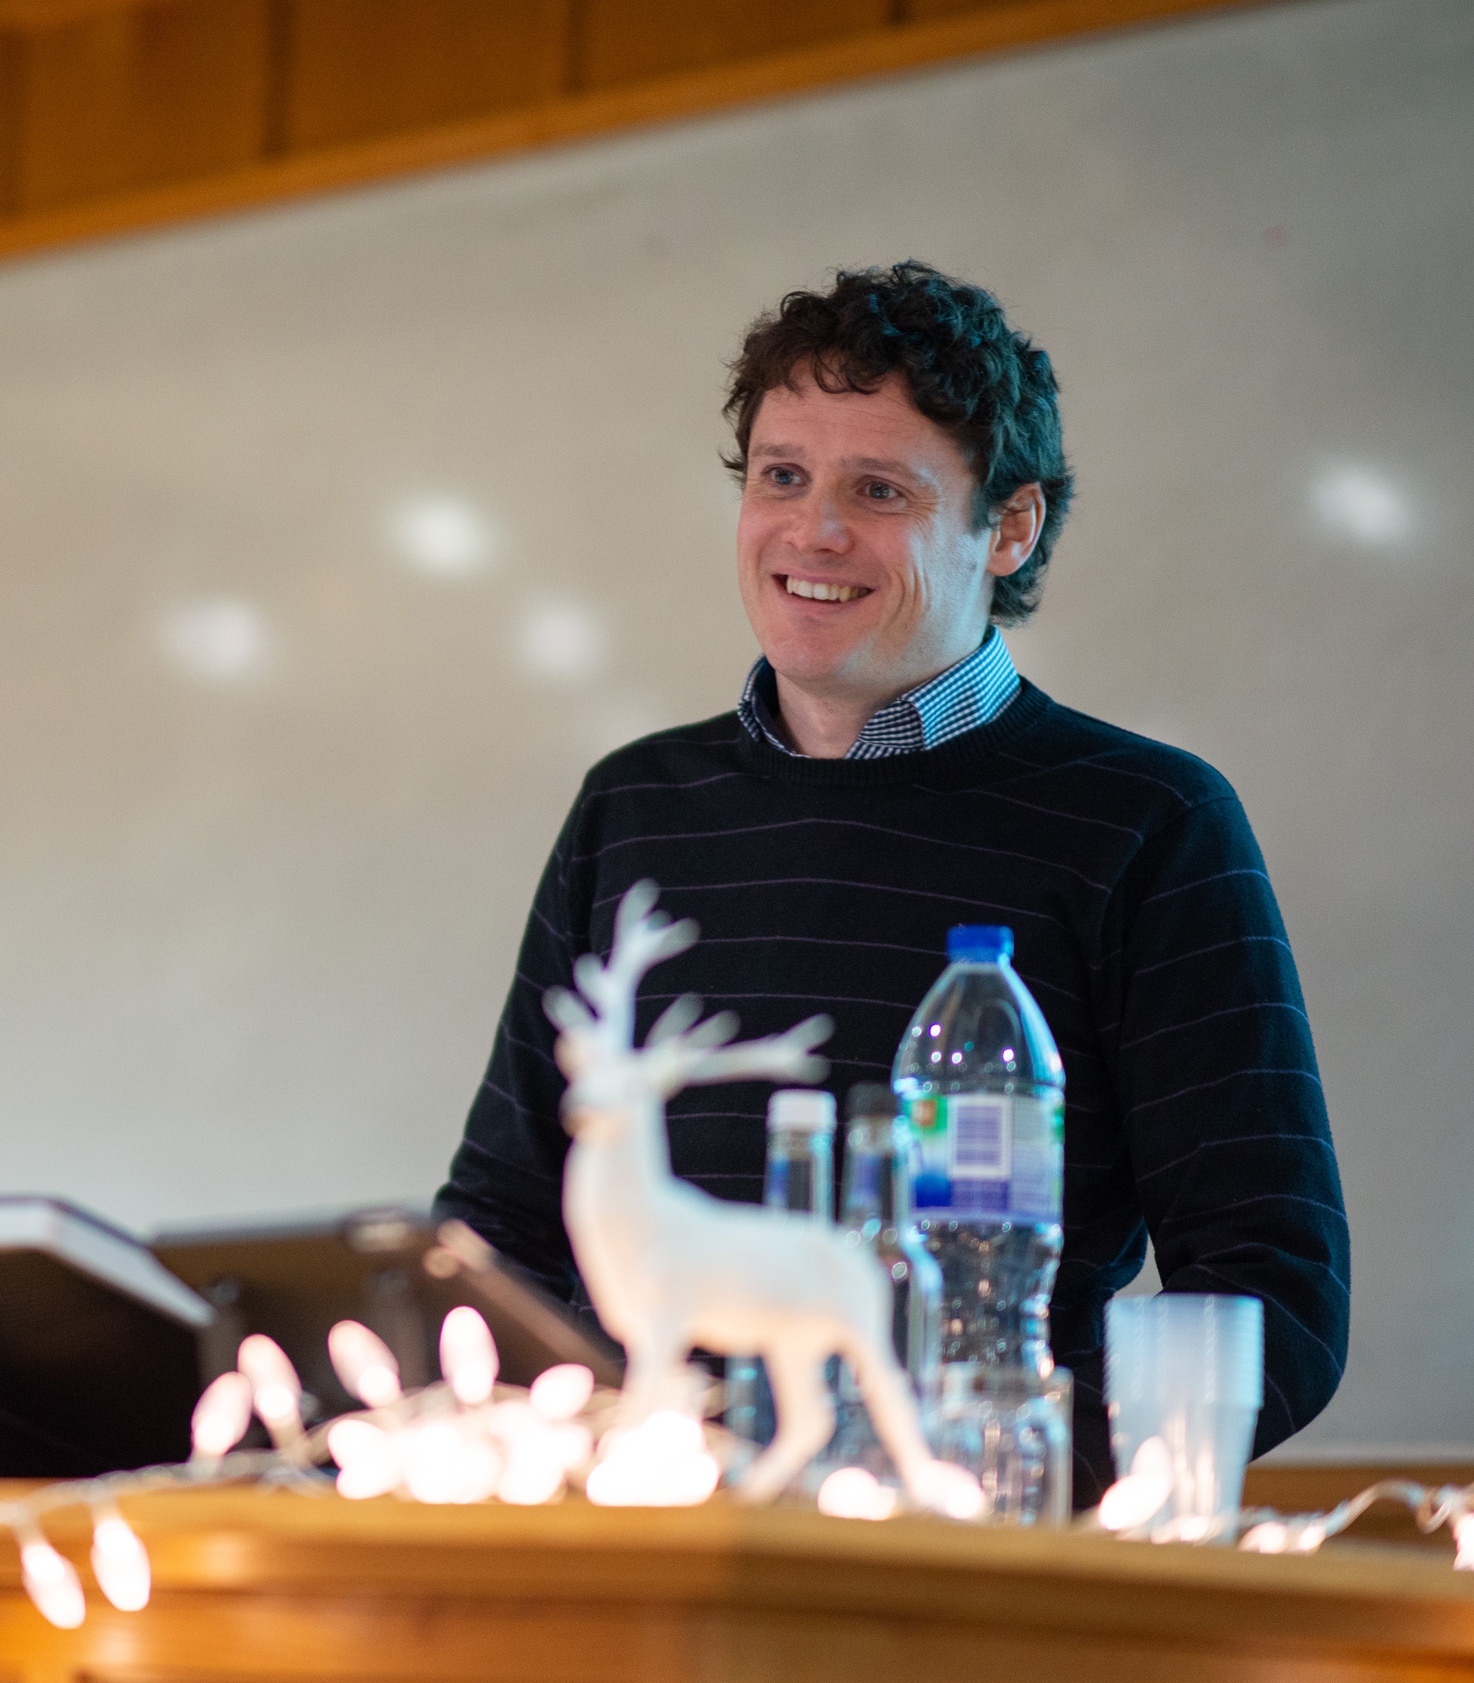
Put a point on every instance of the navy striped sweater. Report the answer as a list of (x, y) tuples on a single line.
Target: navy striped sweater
[(1145, 926)]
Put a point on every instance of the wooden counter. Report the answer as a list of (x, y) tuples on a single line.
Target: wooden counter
[(253, 1585)]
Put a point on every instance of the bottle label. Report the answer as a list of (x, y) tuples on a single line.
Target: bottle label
[(989, 1154)]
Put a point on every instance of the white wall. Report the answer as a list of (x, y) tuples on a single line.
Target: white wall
[(275, 796)]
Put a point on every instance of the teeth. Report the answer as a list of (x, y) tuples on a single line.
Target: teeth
[(825, 592)]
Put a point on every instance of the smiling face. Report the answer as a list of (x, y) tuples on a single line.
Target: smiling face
[(857, 560)]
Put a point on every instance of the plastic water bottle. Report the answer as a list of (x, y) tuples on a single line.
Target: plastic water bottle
[(876, 1217), (798, 1176), (983, 1089)]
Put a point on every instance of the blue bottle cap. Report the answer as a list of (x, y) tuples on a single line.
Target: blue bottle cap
[(983, 943)]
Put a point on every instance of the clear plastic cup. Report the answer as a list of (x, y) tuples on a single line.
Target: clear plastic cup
[(1187, 1369)]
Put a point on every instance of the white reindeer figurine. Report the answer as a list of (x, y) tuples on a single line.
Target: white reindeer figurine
[(669, 1268)]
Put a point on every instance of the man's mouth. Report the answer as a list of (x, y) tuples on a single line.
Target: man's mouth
[(815, 590)]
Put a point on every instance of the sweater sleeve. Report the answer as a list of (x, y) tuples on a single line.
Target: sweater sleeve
[(1221, 1101), (506, 1179)]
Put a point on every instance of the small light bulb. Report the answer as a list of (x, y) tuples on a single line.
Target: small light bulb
[(52, 1583), (661, 1463), (534, 1469), (1309, 1538), (508, 1421), (951, 1491), (479, 1472), (431, 1462), (1125, 1505), (1132, 1501), (221, 1416), (575, 1444), (365, 1364), (275, 1385), (120, 1563), (264, 1362), (468, 1356), (668, 1433), (853, 1493), (560, 1392), (370, 1460), (443, 1463), (1269, 1537), (276, 1405)]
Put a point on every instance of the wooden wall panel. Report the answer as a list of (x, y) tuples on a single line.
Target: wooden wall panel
[(117, 114), (354, 69), (10, 121), (623, 41), (922, 11), (129, 98)]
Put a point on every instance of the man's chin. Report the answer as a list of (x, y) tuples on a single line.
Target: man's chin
[(820, 674), (814, 652)]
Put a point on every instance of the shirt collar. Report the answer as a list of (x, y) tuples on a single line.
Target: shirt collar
[(971, 693)]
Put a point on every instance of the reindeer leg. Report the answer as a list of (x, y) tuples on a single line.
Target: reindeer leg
[(892, 1411), (653, 1376), (805, 1423), (930, 1483)]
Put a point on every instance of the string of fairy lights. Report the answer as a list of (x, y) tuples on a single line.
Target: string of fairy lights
[(469, 1438), (1133, 1508)]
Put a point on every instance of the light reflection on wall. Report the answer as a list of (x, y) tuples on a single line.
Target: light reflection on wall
[(1360, 503), (444, 536), (217, 640), (562, 641)]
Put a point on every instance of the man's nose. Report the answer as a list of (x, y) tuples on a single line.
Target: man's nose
[(820, 525)]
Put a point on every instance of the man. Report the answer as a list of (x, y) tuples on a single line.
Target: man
[(887, 774)]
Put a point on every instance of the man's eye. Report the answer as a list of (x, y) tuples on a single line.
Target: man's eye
[(783, 476), (877, 491)]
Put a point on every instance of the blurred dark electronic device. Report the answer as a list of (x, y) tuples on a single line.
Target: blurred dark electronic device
[(99, 1362), (396, 1272)]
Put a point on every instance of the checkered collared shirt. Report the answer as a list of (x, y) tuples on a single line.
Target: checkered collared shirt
[(971, 693)]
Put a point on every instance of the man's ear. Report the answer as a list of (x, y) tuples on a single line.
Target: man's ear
[(1015, 530)]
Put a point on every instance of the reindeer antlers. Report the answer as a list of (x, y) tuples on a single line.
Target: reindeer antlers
[(788, 1056), (642, 937), (680, 1050)]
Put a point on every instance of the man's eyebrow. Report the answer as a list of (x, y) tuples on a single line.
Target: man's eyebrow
[(885, 464), (867, 464)]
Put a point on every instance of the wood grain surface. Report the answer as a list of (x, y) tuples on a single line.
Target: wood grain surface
[(257, 1585)]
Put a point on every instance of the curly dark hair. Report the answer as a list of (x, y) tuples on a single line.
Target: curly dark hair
[(968, 371)]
